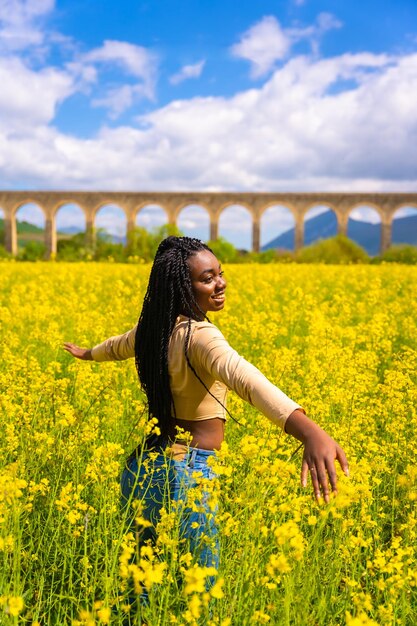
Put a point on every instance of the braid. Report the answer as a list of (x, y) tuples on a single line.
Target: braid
[(168, 294)]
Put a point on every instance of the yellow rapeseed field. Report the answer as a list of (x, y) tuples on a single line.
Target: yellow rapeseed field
[(342, 341)]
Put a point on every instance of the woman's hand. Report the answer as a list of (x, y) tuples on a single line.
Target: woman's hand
[(80, 353), (320, 453)]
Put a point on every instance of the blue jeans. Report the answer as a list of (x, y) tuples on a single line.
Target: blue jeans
[(157, 481)]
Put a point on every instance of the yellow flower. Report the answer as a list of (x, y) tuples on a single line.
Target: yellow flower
[(350, 360), (104, 615), (216, 591), (360, 620), (195, 578), (15, 605), (194, 606), (259, 617)]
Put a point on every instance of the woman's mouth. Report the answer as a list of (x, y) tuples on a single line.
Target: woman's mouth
[(219, 297)]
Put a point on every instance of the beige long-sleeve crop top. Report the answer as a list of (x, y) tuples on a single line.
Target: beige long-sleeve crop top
[(216, 363)]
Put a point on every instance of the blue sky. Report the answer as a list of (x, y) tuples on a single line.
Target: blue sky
[(178, 95)]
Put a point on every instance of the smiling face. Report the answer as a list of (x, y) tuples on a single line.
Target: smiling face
[(207, 281)]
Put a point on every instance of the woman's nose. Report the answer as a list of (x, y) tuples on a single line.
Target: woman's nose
[(221, 283)]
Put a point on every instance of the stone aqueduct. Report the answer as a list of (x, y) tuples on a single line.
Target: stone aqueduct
[(90, 202)]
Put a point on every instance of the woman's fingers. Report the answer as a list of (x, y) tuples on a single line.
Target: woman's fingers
[(323, 482), (310, 466), (304, 473), (341, 457), (331, 471), (71, 348), (323, 474), (76, 351), (315, 482)]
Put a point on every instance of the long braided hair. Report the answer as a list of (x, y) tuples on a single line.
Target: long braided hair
[(168, 295)]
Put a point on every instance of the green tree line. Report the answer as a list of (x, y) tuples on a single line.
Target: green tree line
[(142, 244)]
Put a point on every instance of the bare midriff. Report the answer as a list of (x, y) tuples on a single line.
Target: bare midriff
[(206, 434)]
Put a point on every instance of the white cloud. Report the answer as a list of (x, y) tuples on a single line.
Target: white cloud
[(190, 224), (151, 217), (315, 212), (135, 61), (120, 99), (28, 99), (186, 72), (21, 23), (267, 42), (365, 214), (112, 219), (235, 225), (194, 221), (406, 212), (263, 44), (325, 22), (70, 216), (314, 33), (300, 130), (292, 133)]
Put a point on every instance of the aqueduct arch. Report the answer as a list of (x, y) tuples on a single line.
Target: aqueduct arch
[(399, 228), (109, 213), (194, 220), (70, 216), (31, 213), (232, 218), (256, 203), (149, 215), (275, 220), (315, 211), (374, 222)]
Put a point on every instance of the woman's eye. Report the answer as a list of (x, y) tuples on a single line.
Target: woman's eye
[(208, 280)]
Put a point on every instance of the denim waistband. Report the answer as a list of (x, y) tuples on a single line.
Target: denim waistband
[(177, 452), (194, 455), (197, 453)]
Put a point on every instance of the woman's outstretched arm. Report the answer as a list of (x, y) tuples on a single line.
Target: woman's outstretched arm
[(210, 351), (320, 453), (116, 348)]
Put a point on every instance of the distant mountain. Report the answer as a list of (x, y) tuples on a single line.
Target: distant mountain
[(71, 230), (25, 228), (29, 232), (365, 234)]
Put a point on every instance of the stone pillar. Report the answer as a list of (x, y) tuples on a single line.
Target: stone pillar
[(342, 223), (386, 235), (50, 236), (10, 234), (256, 236), (299, 233), (130, 225), (172, 218), (90, 233), (214, 229)]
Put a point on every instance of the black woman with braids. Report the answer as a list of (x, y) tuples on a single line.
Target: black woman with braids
[(185, 368)]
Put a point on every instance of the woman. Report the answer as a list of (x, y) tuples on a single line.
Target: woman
[(185, 366)]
